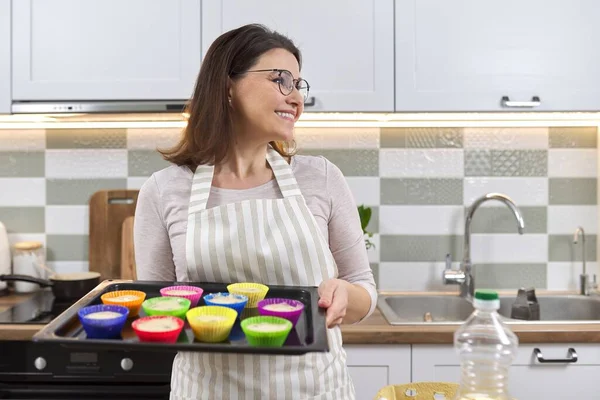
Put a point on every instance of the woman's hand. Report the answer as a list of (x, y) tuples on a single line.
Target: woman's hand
[(333, 295)]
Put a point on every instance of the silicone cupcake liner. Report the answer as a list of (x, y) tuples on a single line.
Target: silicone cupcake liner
[(103, 328), (184, 306), (256, 293), (132, 305), (266, 339), (193, 298), (291, 316), (165, 336), (238, 307), (211, 331)]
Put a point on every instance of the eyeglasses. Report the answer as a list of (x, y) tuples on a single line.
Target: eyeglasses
[(287, 83)]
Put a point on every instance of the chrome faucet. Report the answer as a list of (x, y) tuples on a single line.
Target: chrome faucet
[(584, 279), (463, 276)]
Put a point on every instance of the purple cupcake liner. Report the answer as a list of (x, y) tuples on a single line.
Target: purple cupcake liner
[(193, 298), (291, 316), (238, 307)]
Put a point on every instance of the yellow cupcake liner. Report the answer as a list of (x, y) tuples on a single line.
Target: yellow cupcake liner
[(213, 331), (133, 305), (254, 291)]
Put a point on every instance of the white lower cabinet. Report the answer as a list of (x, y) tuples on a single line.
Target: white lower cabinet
[(553, 373), (375, 366)]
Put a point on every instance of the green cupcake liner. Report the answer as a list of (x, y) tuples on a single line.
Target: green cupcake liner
[(262, 338)]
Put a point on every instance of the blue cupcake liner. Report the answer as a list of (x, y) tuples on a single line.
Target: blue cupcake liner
[(238, 307), (103, 328)]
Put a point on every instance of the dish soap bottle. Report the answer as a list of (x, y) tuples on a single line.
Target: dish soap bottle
[(486, 347)]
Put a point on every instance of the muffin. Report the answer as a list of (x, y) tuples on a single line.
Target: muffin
[(234, 301), (158, 328), (192, 293), (103, 321), (173, 306), (266, 331), (211, 323), (255, 292), (132, 299), (281, 307)]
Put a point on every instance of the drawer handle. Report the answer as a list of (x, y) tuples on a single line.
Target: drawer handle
[(507, 102), (311, 101), (571, 357)]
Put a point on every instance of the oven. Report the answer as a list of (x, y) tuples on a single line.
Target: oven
[(31, 370)]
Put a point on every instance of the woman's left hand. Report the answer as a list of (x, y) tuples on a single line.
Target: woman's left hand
[(333, 295)]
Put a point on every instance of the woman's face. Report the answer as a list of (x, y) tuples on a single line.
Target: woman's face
[(261, 111)]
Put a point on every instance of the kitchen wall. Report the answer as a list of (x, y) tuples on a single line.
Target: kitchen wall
[(417, 181)]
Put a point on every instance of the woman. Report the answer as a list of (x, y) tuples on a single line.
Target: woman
[(238, 206)]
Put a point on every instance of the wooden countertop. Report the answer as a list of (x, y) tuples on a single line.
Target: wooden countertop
[(376, 330)]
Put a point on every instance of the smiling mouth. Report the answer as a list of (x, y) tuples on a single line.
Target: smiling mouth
[(285, 115)]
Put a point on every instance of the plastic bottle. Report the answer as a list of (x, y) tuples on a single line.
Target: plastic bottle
[(486, 347)]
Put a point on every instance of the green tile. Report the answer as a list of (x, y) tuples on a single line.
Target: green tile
[(422, 137), (519, 162), (502, 220), (510, 276), (478, 162), (17, 164), (426, 191), (572, 191), (420, 248), (145, 163), (352, 162), (573, 137), (562, 248), (86, 138), (375, 269), (23, 219), (67, 247), (78, 191)]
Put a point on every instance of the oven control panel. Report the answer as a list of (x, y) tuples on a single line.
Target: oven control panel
[(59, 362)]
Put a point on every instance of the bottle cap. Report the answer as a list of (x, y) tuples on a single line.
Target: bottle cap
[(486, 295)]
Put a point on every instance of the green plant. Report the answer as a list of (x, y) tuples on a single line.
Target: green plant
[(365, 216)]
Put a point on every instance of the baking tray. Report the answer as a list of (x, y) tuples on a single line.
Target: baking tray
[(309, 334)]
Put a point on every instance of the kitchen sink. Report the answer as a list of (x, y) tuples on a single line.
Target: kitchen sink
[(442, 309)]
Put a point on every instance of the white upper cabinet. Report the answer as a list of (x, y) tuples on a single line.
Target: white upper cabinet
[(5, 56), (347, 45), (512, 55), (105, 49)]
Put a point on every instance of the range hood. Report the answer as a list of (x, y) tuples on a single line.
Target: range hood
[(97, 107)]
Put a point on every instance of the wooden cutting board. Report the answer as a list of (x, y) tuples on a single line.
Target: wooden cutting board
[(108, 211), (127, 252)]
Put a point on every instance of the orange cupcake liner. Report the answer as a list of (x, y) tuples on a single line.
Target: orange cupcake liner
[(133, 305)]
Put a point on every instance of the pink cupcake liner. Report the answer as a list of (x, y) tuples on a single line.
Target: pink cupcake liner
[(291, 316), (193, 298)]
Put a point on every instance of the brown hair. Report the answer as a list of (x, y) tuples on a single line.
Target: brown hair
[(209, 135)]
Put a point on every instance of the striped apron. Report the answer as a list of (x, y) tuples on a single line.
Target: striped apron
[(270, 241)]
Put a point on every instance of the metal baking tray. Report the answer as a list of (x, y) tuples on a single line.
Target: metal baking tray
[(309, 334)]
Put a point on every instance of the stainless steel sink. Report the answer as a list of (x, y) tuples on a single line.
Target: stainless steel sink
[(441, 309), (561, 307)]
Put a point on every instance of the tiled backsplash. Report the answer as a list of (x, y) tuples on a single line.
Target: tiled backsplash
[(417, 180)]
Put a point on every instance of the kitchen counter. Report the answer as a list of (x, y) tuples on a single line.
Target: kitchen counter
[(376, 330)]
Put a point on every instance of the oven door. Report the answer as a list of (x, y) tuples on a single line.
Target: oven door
[(56, 391)]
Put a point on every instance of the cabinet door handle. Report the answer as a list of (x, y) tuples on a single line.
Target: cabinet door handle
[(507, 102), (311, 101), (571, 357)]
